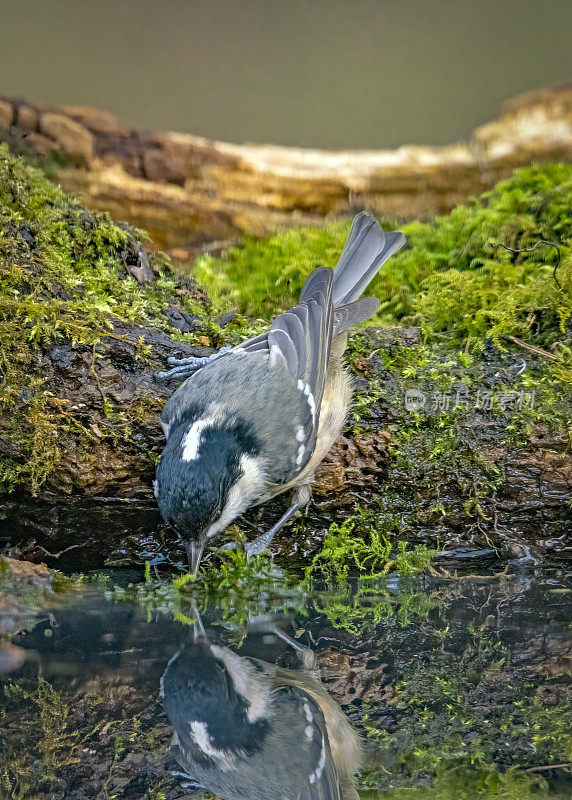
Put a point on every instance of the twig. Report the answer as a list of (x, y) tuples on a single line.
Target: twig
[(549, 766), (531, 347), (57, 555), (529, 249)]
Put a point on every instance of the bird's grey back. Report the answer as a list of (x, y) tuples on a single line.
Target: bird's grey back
[(290, 763), (240, 382)]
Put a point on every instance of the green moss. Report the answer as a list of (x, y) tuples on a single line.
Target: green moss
[(263, 276), (469, 783), (362, 544), (450, 278), (63, 277), (232, 584), (358, 606), (44, 742)]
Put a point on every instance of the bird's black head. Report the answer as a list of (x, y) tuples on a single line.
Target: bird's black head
[(208, 694), (207, 476)]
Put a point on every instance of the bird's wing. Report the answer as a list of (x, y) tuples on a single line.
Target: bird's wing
[(298, 343), (322, 781), (300, 339)]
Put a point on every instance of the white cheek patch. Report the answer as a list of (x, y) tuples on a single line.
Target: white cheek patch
[(248, 488), (193, 438), (250, 684)]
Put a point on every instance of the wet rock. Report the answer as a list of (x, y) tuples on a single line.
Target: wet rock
[(70, 136), (11, 657), (137, 264), (158, 166), (385, 337), (354, 678), (182, 320), (224, 320), (27, 235), (33, 574), (27, 117)]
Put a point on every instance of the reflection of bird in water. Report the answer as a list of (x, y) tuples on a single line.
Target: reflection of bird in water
[(249, 730)]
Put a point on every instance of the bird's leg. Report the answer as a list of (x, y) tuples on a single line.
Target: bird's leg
[(263, 542), (268, 625), (184, 367)]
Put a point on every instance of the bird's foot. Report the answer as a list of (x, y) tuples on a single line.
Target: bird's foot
[(185, 367), (268, 625), (263, 542), (188, 782)]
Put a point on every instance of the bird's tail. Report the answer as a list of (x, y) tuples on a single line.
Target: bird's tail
[(366, 250)]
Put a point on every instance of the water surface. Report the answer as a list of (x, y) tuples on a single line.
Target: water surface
[(457, 685)]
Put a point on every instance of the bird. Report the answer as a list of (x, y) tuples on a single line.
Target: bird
[(246, 729), (255, 420)]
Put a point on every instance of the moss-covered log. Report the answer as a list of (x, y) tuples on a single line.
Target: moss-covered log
[(87, 316)]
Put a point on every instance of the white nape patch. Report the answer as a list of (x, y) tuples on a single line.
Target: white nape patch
[(308, 713), (201, 737), (248, 488), (192, 440), (317, 774), (300, 435), (309, 732), (305, 389), (250, 684)]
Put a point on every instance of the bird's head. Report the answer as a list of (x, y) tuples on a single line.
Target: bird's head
[(208, 475), (217, 701)]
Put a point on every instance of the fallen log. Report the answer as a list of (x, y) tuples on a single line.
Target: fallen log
[(194, 194)]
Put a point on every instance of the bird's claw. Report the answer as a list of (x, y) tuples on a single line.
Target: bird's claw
[(185, 367), (256, 547), (188, 782)]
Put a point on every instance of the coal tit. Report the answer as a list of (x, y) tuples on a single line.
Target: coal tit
[(257, 419), (246, 729)]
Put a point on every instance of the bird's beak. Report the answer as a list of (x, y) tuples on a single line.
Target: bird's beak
[(194, 554)]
